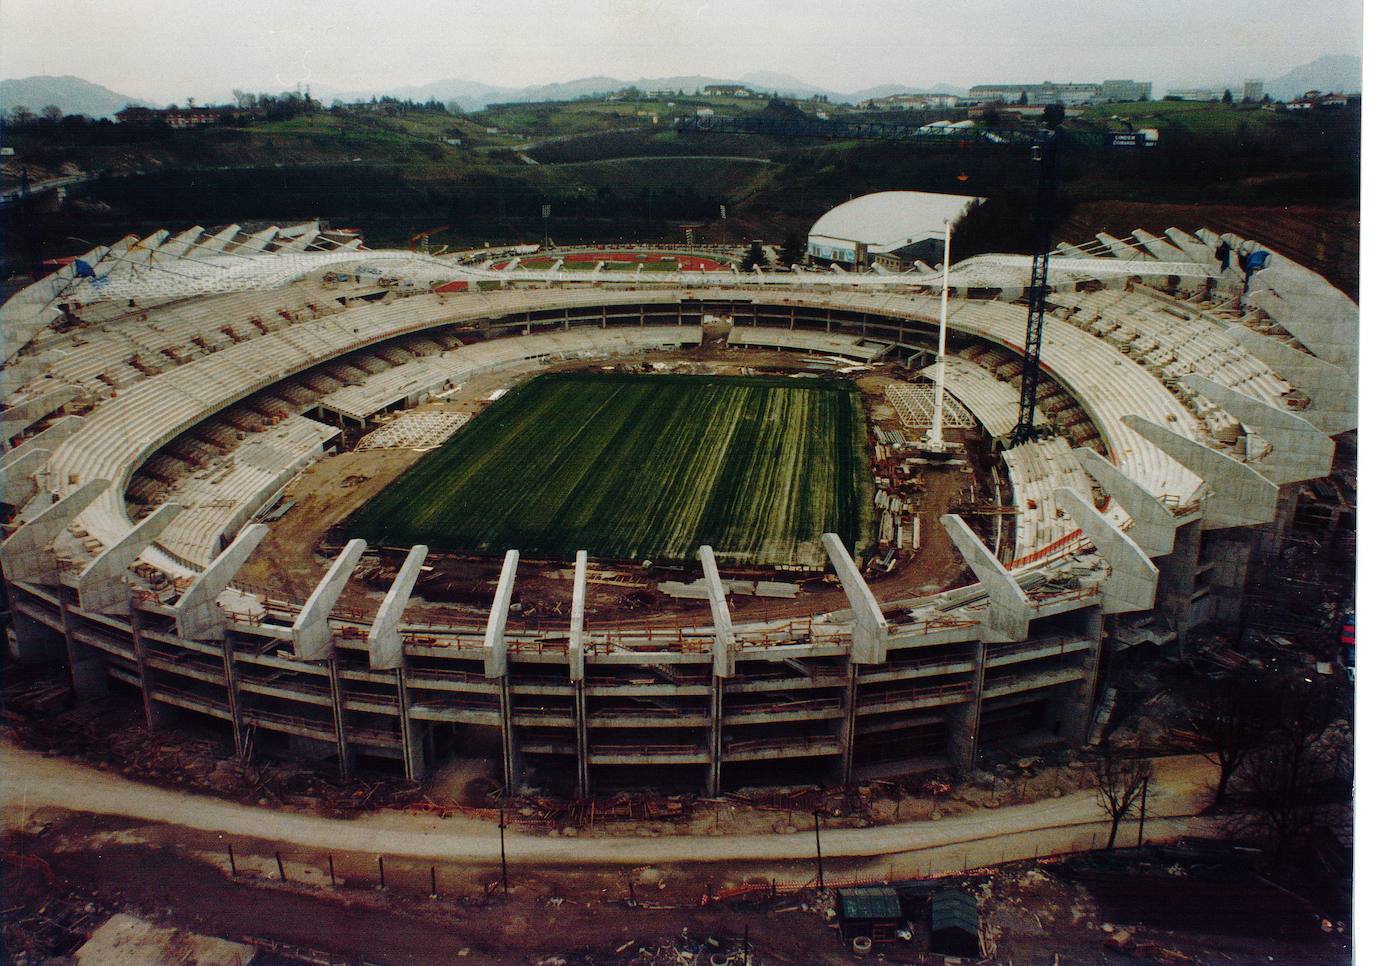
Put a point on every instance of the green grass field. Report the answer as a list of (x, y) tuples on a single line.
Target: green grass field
[(632, 467)]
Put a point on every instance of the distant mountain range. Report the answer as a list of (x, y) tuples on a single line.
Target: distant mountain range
[(1331, 73), (76, 96), (72, 94)]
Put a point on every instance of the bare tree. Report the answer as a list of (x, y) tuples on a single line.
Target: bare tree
[(1120, 782), (52, 113), (1229, 716), (1304, 765)]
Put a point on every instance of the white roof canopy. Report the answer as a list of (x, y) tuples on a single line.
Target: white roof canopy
[(891, 219)]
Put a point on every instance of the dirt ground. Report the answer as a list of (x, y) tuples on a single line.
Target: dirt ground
[(289, 559), (65, 874)]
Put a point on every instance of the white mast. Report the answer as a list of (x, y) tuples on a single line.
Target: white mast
[(936, 436)]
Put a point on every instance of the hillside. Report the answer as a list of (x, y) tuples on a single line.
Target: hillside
[(1330, 73), (71, 94)]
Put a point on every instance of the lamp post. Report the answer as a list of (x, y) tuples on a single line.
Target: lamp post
[(505, 881)]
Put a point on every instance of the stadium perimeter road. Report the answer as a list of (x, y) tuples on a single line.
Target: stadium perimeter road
[(32, 783)]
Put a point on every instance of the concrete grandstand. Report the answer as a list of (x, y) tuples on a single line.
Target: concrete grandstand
[(156, 400)]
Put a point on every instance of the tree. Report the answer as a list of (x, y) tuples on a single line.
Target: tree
[(791, 251), (1226, 97), (1120, 782), (1024, 99), (754, 257), (20, 114), (52, 113), (1228, 715), (1305, 764), (1053, 115)]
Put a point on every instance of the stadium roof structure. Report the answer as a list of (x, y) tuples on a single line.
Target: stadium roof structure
[(889, 220)]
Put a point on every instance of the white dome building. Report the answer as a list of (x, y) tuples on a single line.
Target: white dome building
[(891, 228)]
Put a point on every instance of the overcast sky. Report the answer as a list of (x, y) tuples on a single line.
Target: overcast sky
[(162, 51)]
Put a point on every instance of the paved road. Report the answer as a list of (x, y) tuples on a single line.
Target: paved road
[(31, 782)]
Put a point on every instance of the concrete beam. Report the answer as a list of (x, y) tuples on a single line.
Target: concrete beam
[(723, 647), (19, 474), (310, 634), (27, 554), (577, 659), (1152, 525), (57, 433), (1158, 247), (1240, 496), (494, 643), (870, 626), (1009, 609), (1301, 451), (197, 610), (1118, 248), (101, 586), (1322, 319), (1133, 579), (21, 416), (1331, 387), (385, 650)]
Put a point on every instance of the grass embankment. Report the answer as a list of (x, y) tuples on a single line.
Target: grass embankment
[(632, 467)]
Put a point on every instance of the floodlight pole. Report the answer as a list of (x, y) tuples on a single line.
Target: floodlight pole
[(936, 436)]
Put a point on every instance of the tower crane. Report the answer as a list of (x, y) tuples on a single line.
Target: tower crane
[(1045, 146)]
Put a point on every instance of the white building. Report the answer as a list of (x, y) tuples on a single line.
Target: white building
[(897, 226)]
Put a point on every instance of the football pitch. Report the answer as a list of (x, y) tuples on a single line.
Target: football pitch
[(642, 467)]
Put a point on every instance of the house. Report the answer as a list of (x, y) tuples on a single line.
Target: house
[(727, 90), (954, 924)]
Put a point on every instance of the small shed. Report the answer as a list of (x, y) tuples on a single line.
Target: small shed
[(873, 911), (954, 924)]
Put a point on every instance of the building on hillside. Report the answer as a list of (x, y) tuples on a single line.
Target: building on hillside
[(1046, 92), (727, 90), (175, 116), (1126, 90), (893, 229), (911, 102), (1197, 93)]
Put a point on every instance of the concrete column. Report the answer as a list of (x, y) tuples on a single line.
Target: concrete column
[(101, 586), (231, 688), (27, 554), (412, 732), (154, 714), (18, 474), (1130, 586), (385, 650), (1152, 525), (1229, 552), (870, 636), (722, 663), (32, 641), (1178, 578), (577, 671), (497, 665), (849, 724), (1301, 451), (962, 721), (197, 610), (336, 701), (1240, 496), (723, 646), (87, 665), (1009, 609), (1077, 700), (310, 634)]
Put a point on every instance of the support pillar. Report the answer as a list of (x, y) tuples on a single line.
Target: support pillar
[(385, 650), (577, 671), (870, 634), (87, 665), (311, 636), (27, 555), (197, 611), (336, 701), (722, 664), (231, 687), (154, 714), (1130, 585), (412, 733), (1009, 609), (101, 586), (497, 668), (849, 724)]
